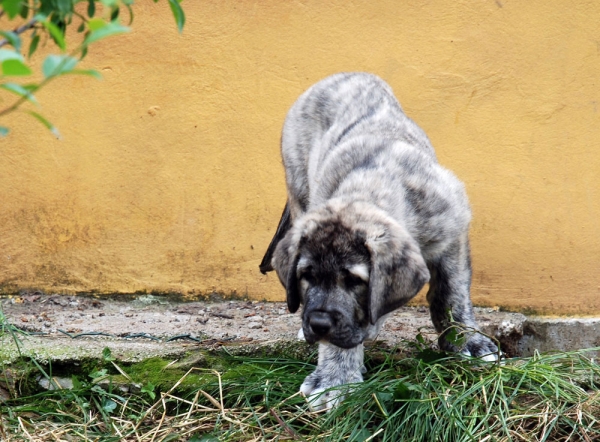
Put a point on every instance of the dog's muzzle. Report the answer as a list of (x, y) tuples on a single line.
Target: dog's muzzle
[(320, 324), (324, 326)]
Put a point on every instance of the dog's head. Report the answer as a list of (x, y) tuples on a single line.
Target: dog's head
[(348, 264)]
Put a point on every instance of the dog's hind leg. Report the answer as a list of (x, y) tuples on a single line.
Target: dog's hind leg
[(449, 300), (284, 225)]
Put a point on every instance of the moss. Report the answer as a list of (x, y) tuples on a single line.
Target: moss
[(19, 377), (23, 374), (163, 374), (193, 359), (151, 370)]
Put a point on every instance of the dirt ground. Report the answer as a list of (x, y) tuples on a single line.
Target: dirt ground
[(150, 316)]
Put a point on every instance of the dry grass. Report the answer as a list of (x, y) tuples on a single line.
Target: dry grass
[(426, 396)]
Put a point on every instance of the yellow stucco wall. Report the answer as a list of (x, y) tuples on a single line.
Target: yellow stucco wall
[(168, 176)]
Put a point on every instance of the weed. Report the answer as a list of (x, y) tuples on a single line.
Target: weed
[(415, 393)]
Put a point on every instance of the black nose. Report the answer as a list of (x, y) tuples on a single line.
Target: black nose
[(320, 323)]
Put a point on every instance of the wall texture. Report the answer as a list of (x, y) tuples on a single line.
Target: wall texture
[(168, 175)]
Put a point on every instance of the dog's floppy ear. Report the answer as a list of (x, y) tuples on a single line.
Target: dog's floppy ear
[(398, 270), (285, 262), (291, 288)]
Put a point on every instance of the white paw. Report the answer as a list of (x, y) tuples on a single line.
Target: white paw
[(490, 357), (325, 392), (318, 399), (301, 335)]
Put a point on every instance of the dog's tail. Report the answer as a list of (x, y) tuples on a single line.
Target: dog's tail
[(284, 225)]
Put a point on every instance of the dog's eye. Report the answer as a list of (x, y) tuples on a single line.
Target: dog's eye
[(352, 281), (308, 276)]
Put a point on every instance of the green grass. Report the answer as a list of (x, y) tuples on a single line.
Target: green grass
[(410, 395)]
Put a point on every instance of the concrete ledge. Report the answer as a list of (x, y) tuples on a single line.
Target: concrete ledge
[(565, 334), (140, 329)]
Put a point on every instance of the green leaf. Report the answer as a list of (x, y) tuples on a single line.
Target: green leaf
[(107, 354), (64, 6), (19, 90), (49, 126), (108, 30), (98, 374), (76, 382), (109, 405), (456, 337), (430, 356), (15, 67), (149, 389), (12, 63), (24, 11), (114, 13), (33, 45), (8, 54), (96, 23), (178, 14), (403, 391), (91, 10), (4, 131), (58, 65), (54, 31), (12, 38), (81, 28), (11, 7)]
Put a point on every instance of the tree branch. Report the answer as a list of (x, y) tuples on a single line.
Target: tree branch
[(30, 24)]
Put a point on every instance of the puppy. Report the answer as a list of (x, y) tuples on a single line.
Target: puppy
[(370, 218)]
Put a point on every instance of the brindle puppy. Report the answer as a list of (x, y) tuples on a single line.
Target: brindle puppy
[(370, 218)]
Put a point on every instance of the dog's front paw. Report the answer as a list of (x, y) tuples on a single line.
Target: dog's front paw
[(480, 346), (320, 390), (476, 345)]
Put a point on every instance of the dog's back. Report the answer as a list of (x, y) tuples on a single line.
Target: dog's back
[(346, 104), (343, 123), (347, 135)]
